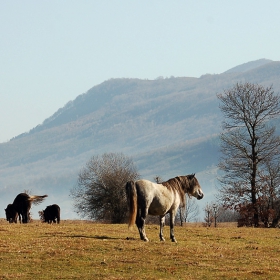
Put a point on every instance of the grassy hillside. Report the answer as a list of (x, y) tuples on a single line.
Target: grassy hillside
[(82, 250)]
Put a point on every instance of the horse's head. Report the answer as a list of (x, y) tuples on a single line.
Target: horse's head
[(7, 214), (194, 187)]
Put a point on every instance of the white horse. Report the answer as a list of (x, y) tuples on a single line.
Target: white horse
[(145, 197)]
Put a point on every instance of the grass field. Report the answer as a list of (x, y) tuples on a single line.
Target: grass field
[(84, 250)]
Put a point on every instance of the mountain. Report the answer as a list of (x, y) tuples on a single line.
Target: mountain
[(169, 127), (248, 66)]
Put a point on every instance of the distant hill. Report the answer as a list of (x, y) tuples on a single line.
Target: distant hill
[(169, 127), (248, 66)]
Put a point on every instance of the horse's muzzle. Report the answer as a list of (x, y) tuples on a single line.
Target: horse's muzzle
[(200, 196)]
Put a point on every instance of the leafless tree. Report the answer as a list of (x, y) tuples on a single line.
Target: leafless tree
[(227, 215), (158, 179), (270, 187), (248, 143), (189, 213), (100, 190), (209, 215)]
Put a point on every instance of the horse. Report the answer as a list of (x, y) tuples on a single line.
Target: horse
[(22, 204), (50, 214), (145, 197), (11, 214)]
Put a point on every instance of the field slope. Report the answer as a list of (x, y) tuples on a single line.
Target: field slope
[(84, 250)]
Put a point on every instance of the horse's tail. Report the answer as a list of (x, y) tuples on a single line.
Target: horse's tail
[(36, 199), (131, 195)]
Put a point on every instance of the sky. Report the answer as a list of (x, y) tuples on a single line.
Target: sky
[(52, 51)]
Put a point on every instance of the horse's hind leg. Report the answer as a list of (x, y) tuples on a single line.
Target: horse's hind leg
[(140, 222), (161, 223)]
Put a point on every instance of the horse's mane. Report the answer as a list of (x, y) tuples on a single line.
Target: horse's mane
[(179, 184)]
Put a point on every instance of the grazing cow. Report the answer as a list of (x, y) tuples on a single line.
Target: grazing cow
[(22, 204), (51, 214), (11, 214)]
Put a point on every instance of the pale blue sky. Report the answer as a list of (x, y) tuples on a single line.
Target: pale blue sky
[(52, 51)]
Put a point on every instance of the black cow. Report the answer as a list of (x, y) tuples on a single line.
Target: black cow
[(51, 214), (22, 205)]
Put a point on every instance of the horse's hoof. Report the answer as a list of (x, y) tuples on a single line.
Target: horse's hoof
[(174, 240), (162, 239), (146, 239)]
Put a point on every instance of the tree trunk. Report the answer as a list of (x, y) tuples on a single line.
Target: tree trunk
[(253, 183)]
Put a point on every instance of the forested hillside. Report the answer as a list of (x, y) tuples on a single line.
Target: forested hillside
[(169, 126)]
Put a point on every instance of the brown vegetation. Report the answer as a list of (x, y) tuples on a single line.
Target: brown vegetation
[(85, 250)]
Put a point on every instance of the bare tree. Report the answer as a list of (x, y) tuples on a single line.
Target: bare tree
[(248, 143), (227, 215), (158, 179), (189, 213), (100, 190), (209, 215), (268, 201)]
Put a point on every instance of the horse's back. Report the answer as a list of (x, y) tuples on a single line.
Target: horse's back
[(158, 198), (146, 186), (21, 197), (21, 202), (51, 213)]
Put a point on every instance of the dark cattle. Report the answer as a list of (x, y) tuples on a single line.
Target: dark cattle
[(12, 214), (22, 204), (51, 214)]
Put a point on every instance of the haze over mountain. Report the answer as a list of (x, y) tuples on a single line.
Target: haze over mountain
[(170, 127)]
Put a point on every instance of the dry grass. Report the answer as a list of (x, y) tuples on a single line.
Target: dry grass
[(83, 250)]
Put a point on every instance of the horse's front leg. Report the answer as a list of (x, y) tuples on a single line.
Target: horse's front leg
[(161, 224), (24, 217), (172, 222)]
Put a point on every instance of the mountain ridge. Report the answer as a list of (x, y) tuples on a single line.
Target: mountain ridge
[(168, 126), (248, 66)]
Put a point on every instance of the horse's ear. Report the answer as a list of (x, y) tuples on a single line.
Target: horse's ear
[(191, 176)]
